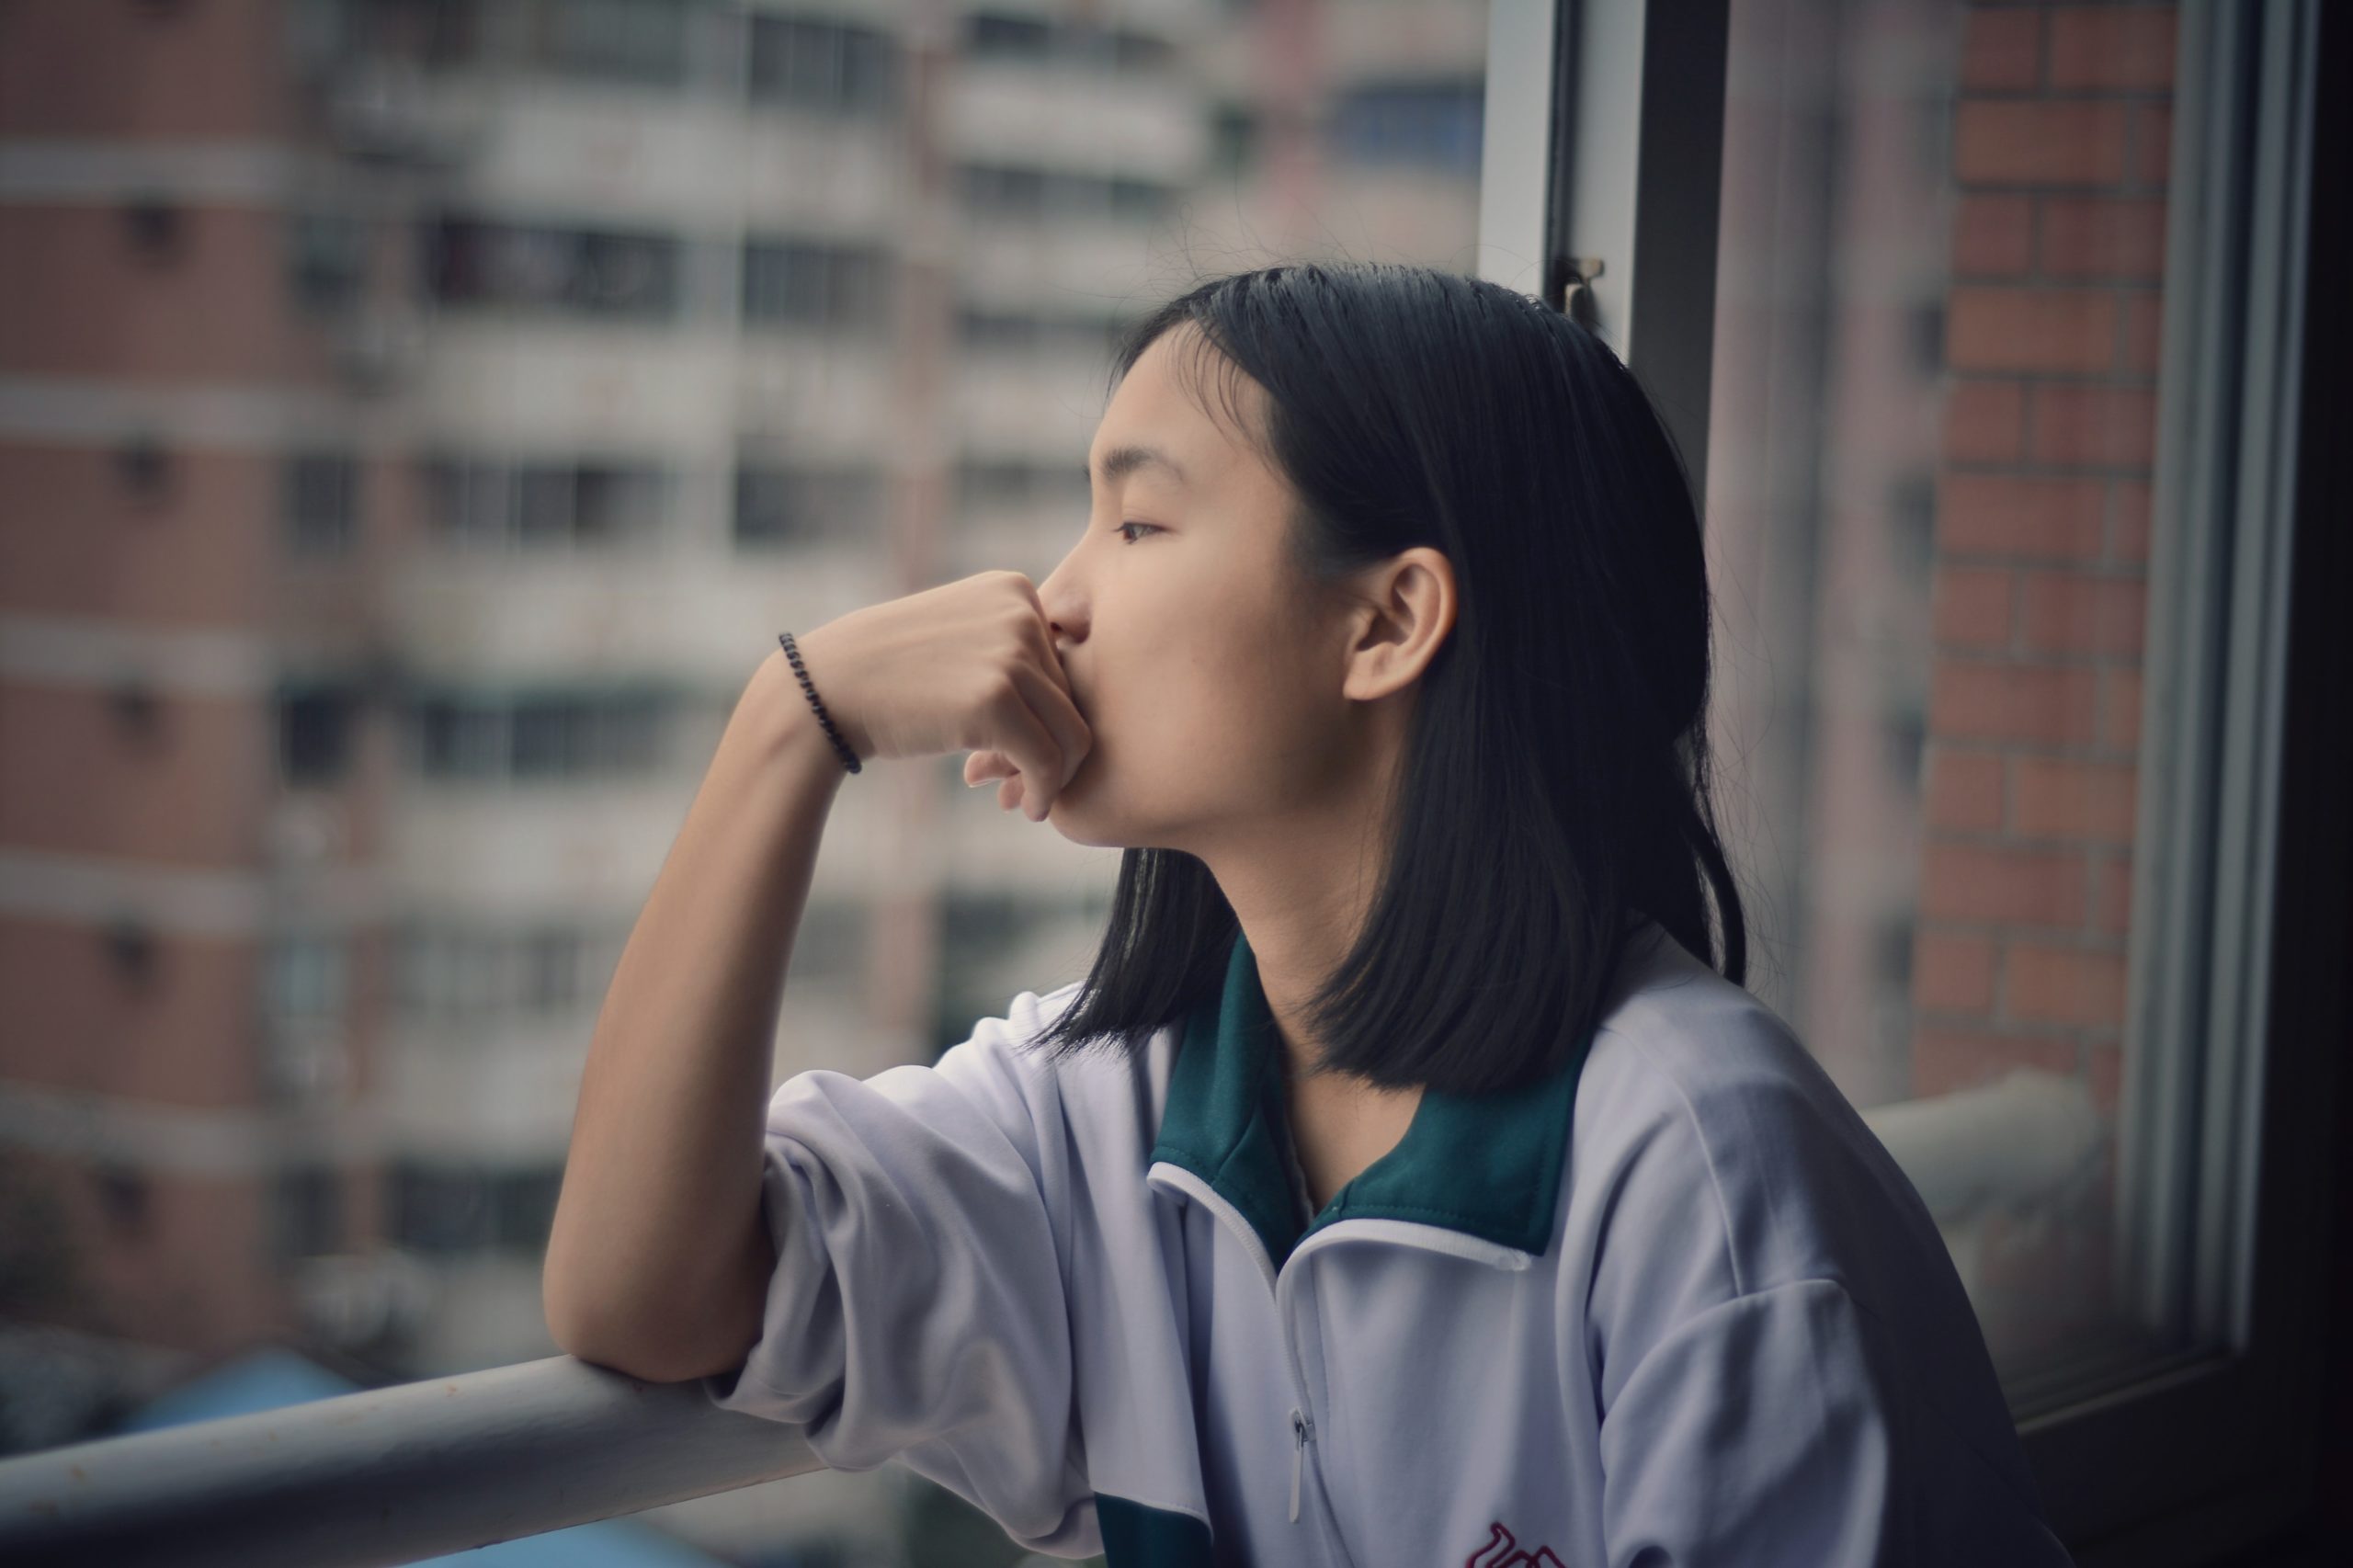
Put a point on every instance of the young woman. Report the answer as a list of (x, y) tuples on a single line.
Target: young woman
[(1405, 1184)]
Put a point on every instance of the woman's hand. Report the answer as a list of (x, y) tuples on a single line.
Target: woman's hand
[(969, 665)]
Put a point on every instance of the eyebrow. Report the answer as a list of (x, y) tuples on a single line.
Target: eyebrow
[(1121, 462)]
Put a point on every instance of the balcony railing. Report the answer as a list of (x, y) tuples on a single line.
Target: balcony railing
[(390, 1475), (417, 1470)]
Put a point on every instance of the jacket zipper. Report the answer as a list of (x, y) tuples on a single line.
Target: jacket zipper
[(1301, 1429)]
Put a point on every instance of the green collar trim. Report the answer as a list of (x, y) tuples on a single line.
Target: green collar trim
[(1484, 1165)]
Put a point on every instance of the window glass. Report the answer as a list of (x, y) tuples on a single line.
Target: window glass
[(823, 65), (1939, 278), (316, 733)]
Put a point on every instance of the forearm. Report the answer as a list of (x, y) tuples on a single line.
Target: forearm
[(656, 1255)]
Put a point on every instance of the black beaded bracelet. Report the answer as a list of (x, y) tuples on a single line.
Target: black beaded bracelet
[(849, 758)]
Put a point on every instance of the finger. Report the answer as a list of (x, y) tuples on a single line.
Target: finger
[(1031, 738), (984, 765), (1009, 794), (1051, 708), (1061, 716)]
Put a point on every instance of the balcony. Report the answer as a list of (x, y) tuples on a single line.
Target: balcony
[(446, 1464)]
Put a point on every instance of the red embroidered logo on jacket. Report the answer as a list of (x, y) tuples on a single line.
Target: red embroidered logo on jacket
[(1503, 1552)]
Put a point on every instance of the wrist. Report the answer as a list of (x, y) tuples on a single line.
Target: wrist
[(799, 676)]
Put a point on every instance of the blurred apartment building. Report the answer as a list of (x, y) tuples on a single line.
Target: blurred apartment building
[(416, 421)]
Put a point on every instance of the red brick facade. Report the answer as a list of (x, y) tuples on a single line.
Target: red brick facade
[(2038, 586)]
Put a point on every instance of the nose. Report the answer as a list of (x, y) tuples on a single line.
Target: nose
[(1065, 614)]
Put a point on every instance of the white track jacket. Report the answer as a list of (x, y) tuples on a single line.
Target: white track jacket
[(1674, 1307)]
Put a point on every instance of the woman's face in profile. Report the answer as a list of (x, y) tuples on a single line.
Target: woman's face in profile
[(1210, 690)]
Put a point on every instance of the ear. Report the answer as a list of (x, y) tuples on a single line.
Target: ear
[(1407, 612)]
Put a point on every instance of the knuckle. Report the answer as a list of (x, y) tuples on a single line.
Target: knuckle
[(998, 691)]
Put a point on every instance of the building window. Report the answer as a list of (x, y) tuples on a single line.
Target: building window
[(610, 504), (461, 739), (832, 941), (990, 35), (541, 736), (549, 737), (602, 273), (642, 42), (551, 969), (1012, 192), (454, 1208), (322, 502), (123, 1196), (1014, 481), (134, 947), (147, 466), (778, 505), (522, 1209), (439, 1208), (468, 501), (307, 1211), (460, 973), (825, 66), (306, 978), (326, 260), (584, 504), (572, 737), (482, 503), (158, 228), (1429, 124), (330, 34), (1034, 331), (1234, 140), (812, 284), (314, 736)]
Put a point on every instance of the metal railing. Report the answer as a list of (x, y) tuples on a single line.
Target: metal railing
[(395, 1474), (389, 1475)]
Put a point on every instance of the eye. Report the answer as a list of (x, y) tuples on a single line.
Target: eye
[(1122, 529)]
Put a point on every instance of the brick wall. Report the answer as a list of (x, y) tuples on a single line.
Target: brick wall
[(2038, 587)]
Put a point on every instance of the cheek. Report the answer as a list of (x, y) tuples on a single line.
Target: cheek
[(1204, 694), (1216, 715), (1156, 709)]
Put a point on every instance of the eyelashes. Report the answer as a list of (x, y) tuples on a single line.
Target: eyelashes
[(1123, 527)]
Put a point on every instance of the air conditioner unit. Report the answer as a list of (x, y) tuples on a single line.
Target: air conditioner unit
[(377, 347), (386, 112), (351, 1300), (306, 830), (307, 1060)]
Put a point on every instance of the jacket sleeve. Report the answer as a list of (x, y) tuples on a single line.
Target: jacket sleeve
[(918, 1308), (1752, 1432), (1780, 1427)]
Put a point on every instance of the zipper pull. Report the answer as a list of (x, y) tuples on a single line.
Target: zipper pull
[(1299, 1428)]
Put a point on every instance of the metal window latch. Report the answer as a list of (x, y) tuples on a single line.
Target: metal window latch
[(1570, 288)]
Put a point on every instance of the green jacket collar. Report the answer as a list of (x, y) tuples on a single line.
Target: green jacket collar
[(1484, 1165)]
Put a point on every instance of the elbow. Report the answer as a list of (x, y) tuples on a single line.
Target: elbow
[(659, 1348), (572, 1334), (583, 1331), (642, 1356), (652, 1361)]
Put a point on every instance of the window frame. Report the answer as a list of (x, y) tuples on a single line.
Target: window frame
[(1603, 138)]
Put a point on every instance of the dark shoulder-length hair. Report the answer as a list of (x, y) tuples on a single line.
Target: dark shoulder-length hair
[(1554, 785)]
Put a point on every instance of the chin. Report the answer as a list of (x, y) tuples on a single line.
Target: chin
[(1061, 819), (1072, 824)]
